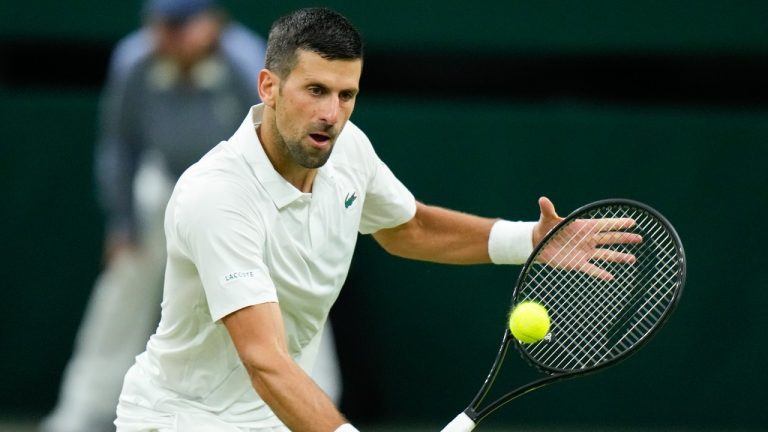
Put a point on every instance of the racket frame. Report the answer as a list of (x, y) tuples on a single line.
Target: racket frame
[(476, 414)]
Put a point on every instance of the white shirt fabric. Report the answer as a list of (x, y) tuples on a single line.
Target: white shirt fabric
[(239, 234)]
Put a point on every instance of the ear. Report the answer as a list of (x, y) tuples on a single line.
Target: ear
[(268, 87)]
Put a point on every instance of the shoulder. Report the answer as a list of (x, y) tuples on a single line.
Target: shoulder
[(239, 36), (216, 170), (245, 48), (213, 188), (129, 52), (214, 209), (212, 206)]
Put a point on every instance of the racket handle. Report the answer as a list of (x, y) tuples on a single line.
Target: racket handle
[(462, 423)]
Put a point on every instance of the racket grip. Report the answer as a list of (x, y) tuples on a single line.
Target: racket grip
[(462, 423)]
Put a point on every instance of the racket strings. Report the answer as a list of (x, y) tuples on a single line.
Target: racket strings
[(602, 309), (599, 327), (595, 320), (607, 321), (658, 278)]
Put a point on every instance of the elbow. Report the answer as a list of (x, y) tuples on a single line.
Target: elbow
[(389, 247), (269, 372), (405, 240), (266, 372), (395, 242), (261, 363)]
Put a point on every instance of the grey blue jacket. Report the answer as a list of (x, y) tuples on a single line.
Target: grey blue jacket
[(146, 108)]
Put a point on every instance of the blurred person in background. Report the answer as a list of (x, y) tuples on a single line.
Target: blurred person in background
[(176, 87)]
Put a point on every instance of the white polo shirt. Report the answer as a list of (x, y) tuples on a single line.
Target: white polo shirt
[(239, 234)]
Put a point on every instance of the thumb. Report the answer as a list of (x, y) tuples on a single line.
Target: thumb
[(547, 209), (547, 220)]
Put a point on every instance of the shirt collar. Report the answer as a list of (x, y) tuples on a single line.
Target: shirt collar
[(279, 189)]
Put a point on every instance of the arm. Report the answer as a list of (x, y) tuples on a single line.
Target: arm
[(117, 150), (439, 235), (447, 236), (259, 337)]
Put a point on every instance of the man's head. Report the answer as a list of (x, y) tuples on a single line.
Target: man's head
[(309, 85), (184, 31), (318, 30)]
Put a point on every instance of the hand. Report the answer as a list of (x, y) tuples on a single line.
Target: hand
[(586, 236), (115, 245)]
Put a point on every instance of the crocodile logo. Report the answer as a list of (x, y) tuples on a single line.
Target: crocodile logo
[(349, 200)]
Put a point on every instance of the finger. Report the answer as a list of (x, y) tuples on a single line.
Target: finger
[(547, 209), (617, 237), (595, 271), (613, 224), (613, 256)]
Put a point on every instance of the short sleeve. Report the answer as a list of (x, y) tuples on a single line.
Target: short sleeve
[(226, 241), (388, 203)]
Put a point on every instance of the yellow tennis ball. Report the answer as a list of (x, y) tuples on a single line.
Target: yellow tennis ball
[(529, 322)]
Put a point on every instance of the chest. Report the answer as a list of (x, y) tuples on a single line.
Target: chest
[(310, 242)]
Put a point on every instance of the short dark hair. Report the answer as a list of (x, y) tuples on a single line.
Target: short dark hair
[(319, 30)]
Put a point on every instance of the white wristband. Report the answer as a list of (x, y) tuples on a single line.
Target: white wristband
[(346, 427), (510, 242)]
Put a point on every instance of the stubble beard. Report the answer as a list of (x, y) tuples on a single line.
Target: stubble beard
[(308, 157), (305, 155)]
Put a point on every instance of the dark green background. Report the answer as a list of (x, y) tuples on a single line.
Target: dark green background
[(529, 25), (416, 339)]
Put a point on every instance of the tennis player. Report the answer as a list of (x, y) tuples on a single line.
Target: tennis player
[(260, 237)]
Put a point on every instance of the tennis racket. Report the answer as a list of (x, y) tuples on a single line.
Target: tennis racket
[(610, 275)]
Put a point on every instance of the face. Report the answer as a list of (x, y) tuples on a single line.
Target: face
[(187, 42), (311, 106)]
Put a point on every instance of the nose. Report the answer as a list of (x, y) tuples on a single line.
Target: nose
[(330, 110)]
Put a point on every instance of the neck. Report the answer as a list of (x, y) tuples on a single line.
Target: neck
[(300, 177)]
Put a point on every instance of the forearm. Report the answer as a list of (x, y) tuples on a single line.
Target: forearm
[(259, 336), (117, 155), (294, 397), (440, 235)]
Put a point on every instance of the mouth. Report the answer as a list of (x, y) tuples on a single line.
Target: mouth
[(320, 139)]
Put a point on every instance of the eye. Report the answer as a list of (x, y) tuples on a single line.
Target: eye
[(316, 91), (346, 96)]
